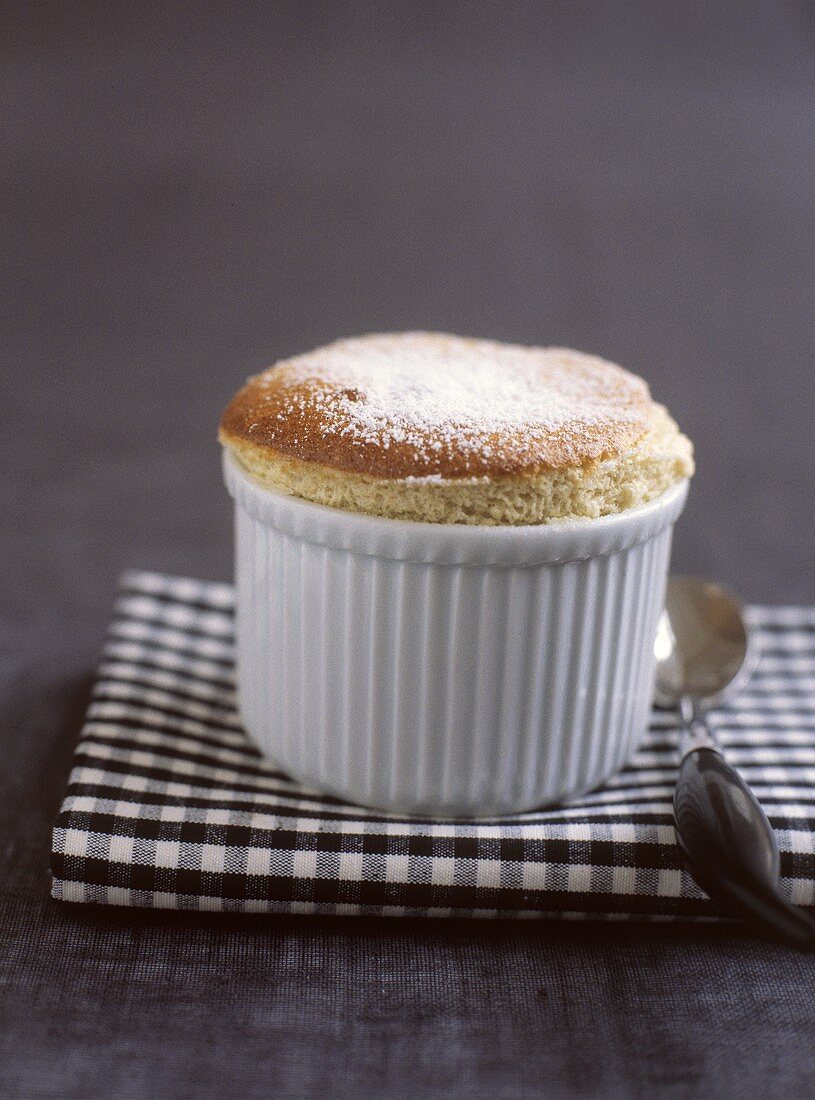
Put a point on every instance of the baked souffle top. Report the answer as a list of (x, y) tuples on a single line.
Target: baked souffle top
[(446, 429)]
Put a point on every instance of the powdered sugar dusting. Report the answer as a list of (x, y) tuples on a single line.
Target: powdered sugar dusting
[(438, 399)]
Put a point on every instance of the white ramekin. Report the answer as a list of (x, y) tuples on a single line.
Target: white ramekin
[(448, 669)]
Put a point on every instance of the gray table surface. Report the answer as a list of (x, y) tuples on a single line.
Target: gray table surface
[(192, 191)]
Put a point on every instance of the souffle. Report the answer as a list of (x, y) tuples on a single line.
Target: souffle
[(444, 429)]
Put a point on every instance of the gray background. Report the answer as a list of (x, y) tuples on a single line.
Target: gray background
[(192, 191)]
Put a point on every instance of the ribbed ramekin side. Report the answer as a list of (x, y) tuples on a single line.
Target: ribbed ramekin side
[(640, 689), (440, 687), (587, 639), (606, 694)]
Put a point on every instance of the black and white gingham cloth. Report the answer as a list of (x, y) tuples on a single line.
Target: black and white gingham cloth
[(170, 806)]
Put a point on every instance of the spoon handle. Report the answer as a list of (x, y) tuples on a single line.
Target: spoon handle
[(695, 732), (729, 846)]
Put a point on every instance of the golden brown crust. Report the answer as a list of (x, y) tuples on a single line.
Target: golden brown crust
[(418, 405)]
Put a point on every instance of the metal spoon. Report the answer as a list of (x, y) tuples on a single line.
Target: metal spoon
[(703, 647)]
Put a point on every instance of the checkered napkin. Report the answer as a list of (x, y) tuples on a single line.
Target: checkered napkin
[(170, 806)]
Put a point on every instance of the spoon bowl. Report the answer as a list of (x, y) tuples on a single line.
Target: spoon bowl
[(703, 646)]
